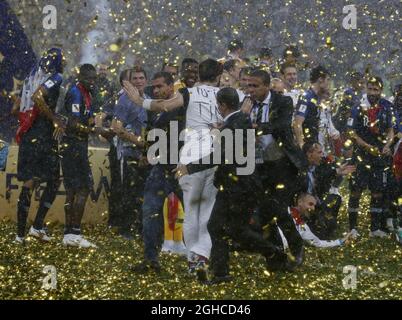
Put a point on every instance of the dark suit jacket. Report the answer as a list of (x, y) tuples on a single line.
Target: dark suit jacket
[(280, 126), (226, 176), (324, 175)]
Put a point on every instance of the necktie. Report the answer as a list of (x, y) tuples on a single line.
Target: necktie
[(260, 107), (310, 180)]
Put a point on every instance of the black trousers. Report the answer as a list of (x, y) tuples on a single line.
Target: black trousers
[(270, 210), (278, 180), (128, 213), (230, 220), (324, 222), (115, 193), (279, 183)]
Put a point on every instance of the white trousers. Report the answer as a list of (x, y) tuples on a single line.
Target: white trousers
[(199, 195)]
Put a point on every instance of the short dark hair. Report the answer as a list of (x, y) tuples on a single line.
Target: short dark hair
[(209, 69), (86, 68), (377, 81), (246, 70), (265, 52), (230, 64), (310, 146), (125, 75), (356, 76), (262, 74), (286, 65), (139, 69), (317, 73), (291, 50), (229, 97), (235, 44), (170, 64), (187, 61), (397, 89), (165, 75)]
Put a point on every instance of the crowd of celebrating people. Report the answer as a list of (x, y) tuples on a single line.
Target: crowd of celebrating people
[(305, 145)]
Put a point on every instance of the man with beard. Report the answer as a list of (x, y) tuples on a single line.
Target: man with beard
[(306, 123), (372, 130), (77, 175), (351, 99)]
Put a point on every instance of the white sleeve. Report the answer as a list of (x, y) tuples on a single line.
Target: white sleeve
[(331, 128), (308, 236)]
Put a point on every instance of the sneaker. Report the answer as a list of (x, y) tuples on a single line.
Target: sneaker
[(19, 240), (147, 266), (39, 234), (191, 268), (84, 243), (378, 234), (354, 234), (75, 240), (201, 271), (175, 247), (70, 240)]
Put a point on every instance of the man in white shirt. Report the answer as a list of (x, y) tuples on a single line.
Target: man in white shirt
[(198, 190), (305, 207)]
